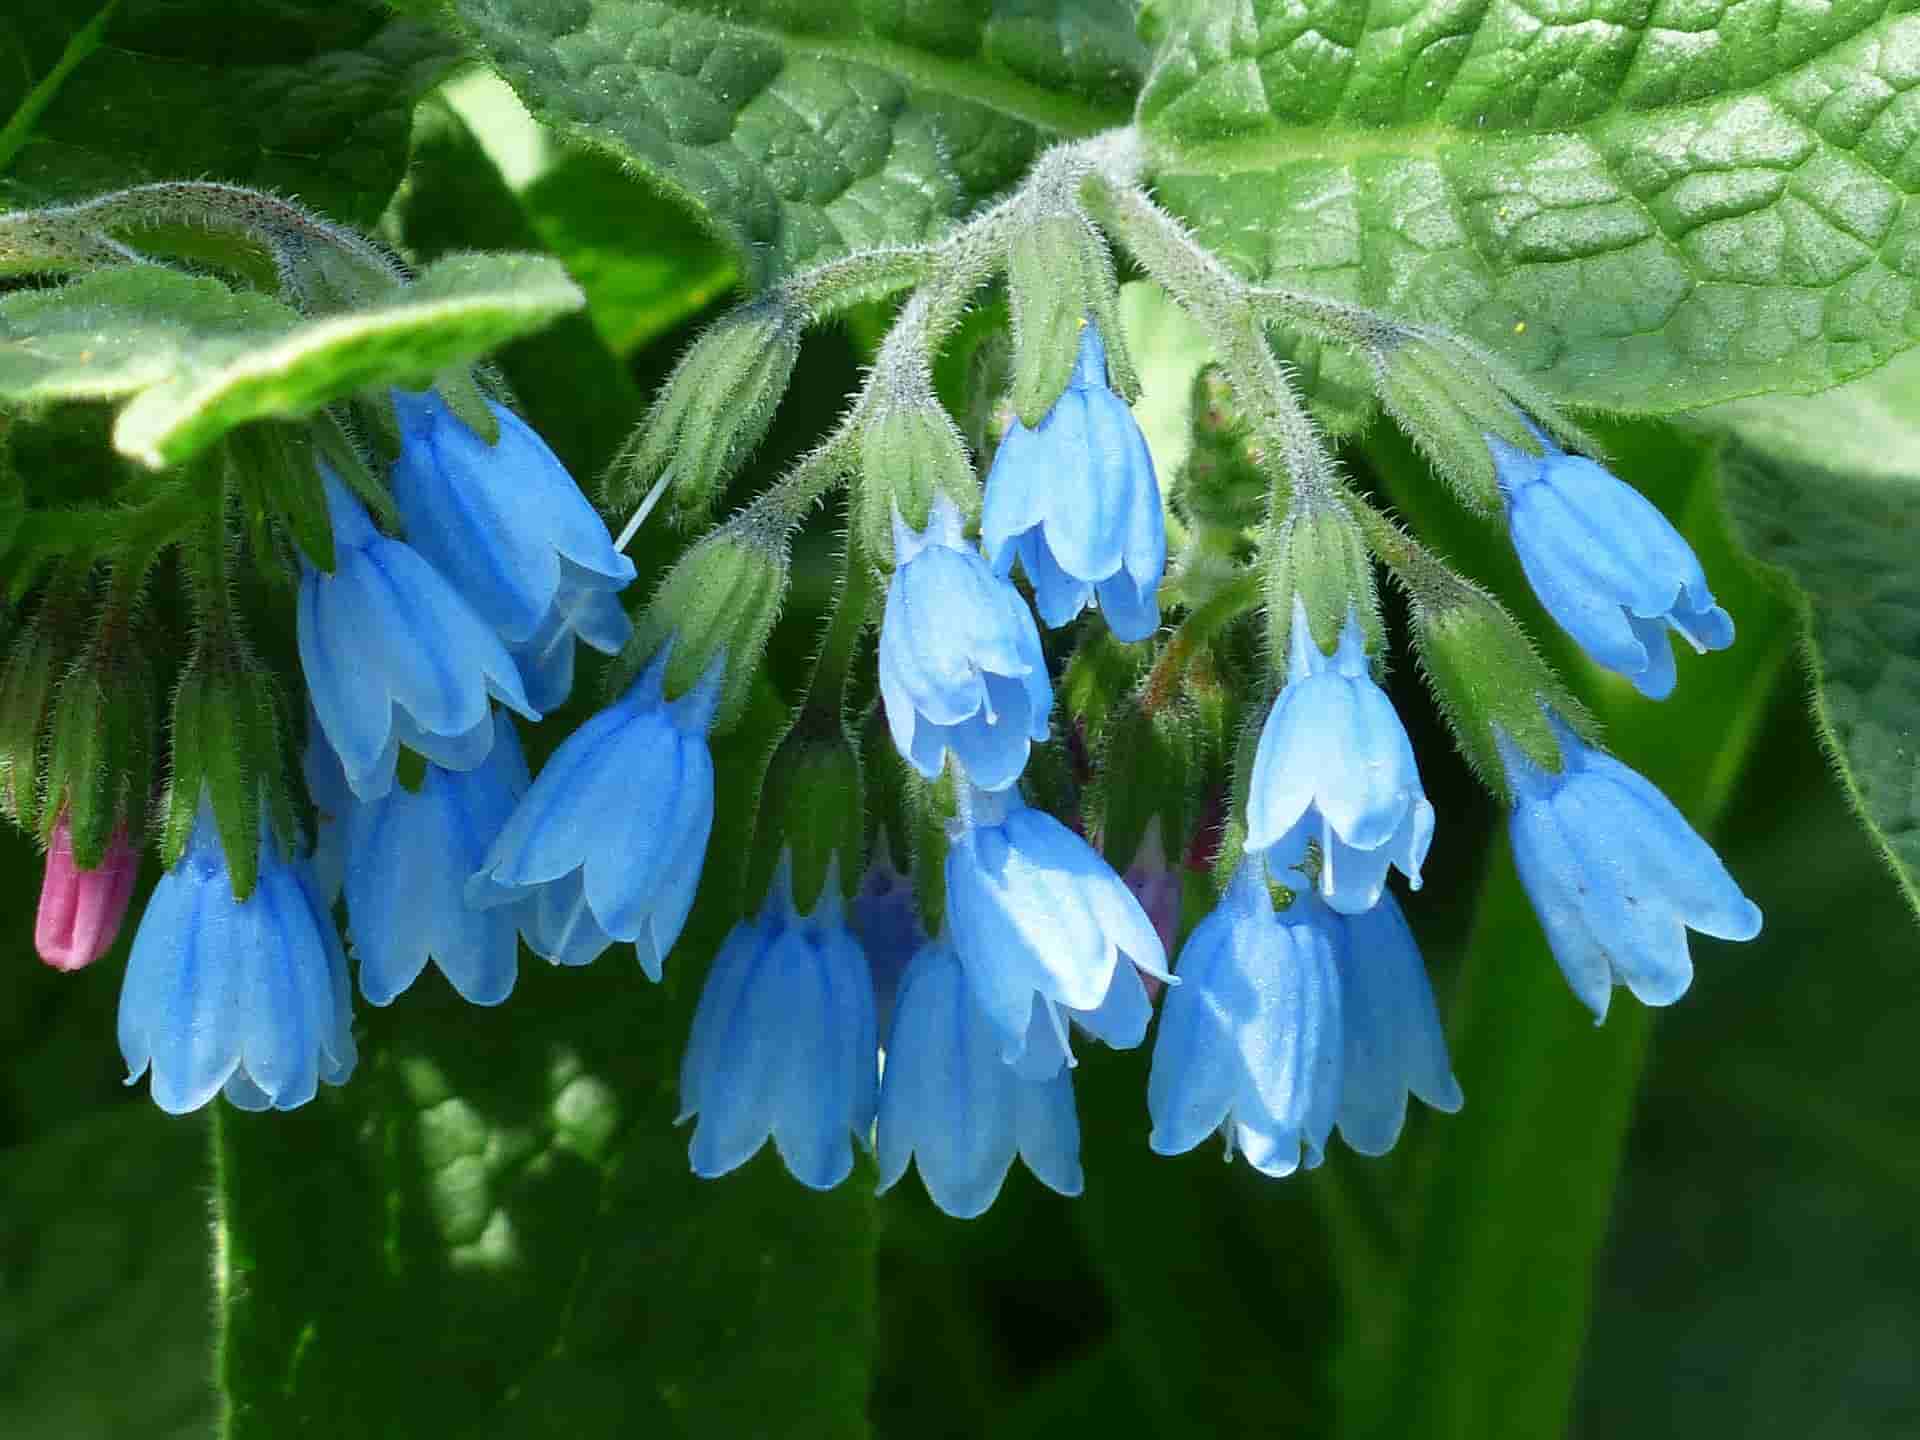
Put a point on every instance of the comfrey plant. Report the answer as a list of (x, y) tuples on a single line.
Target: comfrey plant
[(437, 568)]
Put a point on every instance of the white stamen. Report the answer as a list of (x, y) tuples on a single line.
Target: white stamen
[(646, 507)]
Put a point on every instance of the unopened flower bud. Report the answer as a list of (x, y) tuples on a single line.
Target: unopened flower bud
[(910, 456), (717, 607), (713, 410), (81, 908)]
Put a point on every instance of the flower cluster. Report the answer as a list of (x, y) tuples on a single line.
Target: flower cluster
[(423, 644), (931, 1010)]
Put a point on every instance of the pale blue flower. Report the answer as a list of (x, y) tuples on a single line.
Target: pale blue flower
[(1607, 565), (960, 661), (1043, 926), (393, 656), (608, 842), (1250, 1045), (784, 1043), (507, 525), (1334, 765), (1075, 500), (333, 805), (1616, 875), (408, 858), (948, 1102), (1392, 1039), (246, 996)]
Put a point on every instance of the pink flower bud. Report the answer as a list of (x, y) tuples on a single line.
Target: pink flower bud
[(81, 910)]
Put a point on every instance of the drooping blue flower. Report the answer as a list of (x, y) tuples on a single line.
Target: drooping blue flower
[(1043, 925), (1392, 1039), (784, 1043), (409, 855), (1607, 565), (1250, 1045), (949, 1102), (1334, 765), (1075, 500), (960, 661), (247, 996), (393, 656), (507, 525), (1616, 875), (609, 840)]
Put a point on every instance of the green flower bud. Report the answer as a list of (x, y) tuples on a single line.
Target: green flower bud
[(717, 605), (230, 741), (713, 411), (1058, 274), (1319, 558), (1488, 678), (909, 454), (1149, 770), (100, 765), (1222, 482), (812, 808)]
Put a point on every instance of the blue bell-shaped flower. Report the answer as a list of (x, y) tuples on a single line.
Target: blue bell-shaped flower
[(1076, 501), (1392, 1040)]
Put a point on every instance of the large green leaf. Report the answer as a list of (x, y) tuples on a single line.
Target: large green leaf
[(1828, 489), (1649, 207), (799, 129), (309, 97), (193, 359)]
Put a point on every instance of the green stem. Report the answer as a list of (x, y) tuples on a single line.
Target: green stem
[(19, 128), (1233, 600), (827, 692)]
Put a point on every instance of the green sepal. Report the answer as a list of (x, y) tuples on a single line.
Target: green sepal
[(100, 764), (1488, 679), (909, 454), (1149, 771), (461, 392), (1098, 676), (1222, 483), (1450, 397), (718, 604), (229, 743), (273, 471), (1058, 275), (812, 808), (713, 411), (1319, 557), (931, 808), (37, 659)]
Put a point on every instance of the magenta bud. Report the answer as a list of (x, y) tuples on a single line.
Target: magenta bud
[(81, 910)]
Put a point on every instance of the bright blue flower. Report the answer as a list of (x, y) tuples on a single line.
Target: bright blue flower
[(1042, 924), (1607, 565), (1250, 1045), (1076, 502), (1615, 874), (948, 1101), (507, 525), (609, 841), (1392, 1038), (960, 661), (1334, 765), (408, 858), (249, 996), (784, 1043), (393, 656)]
